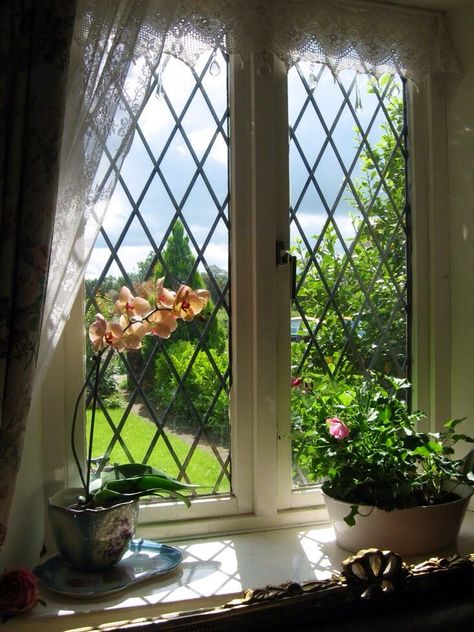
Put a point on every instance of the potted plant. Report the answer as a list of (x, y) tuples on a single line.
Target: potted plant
[(387, 484), (93, 524)]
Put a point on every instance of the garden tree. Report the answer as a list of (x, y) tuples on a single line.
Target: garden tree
[(220, 277), (359, 301), (178, 261), (145, 268), (203, 385), (179, 267)]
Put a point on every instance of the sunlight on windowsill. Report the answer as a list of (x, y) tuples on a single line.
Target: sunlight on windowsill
[(213, 571)]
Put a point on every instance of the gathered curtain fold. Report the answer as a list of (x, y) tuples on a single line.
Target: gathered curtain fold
[(35, 37), (118, 45)]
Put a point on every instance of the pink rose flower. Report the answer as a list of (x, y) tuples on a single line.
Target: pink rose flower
[(18, 592), (337, 428)]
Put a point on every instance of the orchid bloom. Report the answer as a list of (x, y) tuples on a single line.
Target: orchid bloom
[(103, 334), (337, 428), (188, 303), (130, 305), (185, 303), (163, 323), (164, 297), (133, 333)]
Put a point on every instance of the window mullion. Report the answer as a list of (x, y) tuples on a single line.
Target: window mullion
[(259, 198), (270, 284), (242, 391)]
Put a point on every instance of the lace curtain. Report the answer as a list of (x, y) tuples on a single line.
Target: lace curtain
[(117, 49)]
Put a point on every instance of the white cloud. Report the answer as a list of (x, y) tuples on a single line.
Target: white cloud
[(130, 256), (217, 254), (312, 223), (117, 212), (200, 139)]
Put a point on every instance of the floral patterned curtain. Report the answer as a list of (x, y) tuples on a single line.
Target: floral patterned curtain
[(35, 37)]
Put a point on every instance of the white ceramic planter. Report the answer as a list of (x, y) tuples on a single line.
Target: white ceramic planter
[(413, 531)]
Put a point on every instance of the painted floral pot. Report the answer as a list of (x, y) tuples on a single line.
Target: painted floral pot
[(91, 539), (414, 531)]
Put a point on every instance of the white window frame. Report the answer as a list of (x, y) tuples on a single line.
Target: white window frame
[(260, 398)]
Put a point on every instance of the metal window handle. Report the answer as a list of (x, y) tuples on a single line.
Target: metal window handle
[(283, 257)]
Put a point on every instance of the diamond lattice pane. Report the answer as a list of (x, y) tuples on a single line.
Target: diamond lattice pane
[(166, 404), (348, 222)]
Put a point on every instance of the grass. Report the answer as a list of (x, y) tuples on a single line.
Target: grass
[(137, 433)]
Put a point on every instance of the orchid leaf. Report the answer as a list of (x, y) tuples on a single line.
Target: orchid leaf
[(128, 470), (124, 488), (109, 496)]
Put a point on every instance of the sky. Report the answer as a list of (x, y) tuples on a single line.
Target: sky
[(178, 167)]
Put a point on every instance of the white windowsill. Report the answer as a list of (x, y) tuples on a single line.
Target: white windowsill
[(214, 571)]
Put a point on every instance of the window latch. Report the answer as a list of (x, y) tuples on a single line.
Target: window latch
[(284, 257)]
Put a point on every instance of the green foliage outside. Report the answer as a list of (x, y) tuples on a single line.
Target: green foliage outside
[(201, 383), (359, 294), (150, 366), (137, 435), (359, 302), (179, 266)]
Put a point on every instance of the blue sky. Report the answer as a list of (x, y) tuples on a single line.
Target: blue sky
[(178, 166)]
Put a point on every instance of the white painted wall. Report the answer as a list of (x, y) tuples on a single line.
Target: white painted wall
[(460, 122)]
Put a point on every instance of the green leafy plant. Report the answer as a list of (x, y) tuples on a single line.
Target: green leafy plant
[(365, 447)]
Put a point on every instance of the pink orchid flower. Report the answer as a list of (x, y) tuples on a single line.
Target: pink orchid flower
[(337, 428), (186, 303), (132, 306), (132, 333), (189, 303), (103, 334), (163, 323), (164, 297)]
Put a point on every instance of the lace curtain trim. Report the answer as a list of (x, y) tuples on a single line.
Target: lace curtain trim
[(365, 36)]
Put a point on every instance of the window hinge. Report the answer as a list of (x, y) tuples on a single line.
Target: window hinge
[(283, 257)]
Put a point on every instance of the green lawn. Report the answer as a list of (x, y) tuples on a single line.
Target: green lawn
[(137, 433)]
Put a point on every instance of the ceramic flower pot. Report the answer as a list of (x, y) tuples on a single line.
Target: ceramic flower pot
[(414, 531), (91, 539)]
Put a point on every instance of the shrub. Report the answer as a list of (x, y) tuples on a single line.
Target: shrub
[(201, 384)]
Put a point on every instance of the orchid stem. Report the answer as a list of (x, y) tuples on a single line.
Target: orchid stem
[(91, 431), (73, 427)]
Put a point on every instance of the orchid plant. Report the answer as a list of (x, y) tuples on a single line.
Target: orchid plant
[(156, 312), (360, 440)]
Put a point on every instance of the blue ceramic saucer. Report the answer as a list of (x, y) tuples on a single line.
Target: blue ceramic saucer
[(144, 559)]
